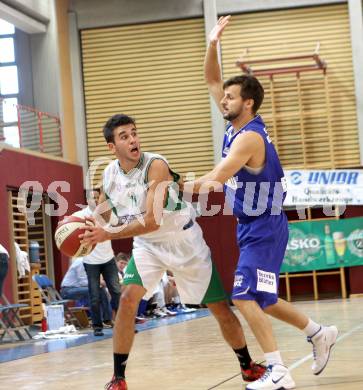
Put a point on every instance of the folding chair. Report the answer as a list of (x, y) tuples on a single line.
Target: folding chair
[(51, 296), (10, 321)]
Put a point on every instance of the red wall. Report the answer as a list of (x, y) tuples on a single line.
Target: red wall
[(17, 167)]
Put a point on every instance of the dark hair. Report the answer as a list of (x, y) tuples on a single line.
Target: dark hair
[(122, 257), (114, 122), (251, 88), (89, 191)]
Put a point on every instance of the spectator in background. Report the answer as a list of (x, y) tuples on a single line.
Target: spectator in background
[(4, 266), (170, 291), (166, 298), (100, 261), (122, 260), (75, 286), (75, 283), (172, 298)]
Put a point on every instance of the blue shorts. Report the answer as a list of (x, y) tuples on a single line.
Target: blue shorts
[(262, 244)]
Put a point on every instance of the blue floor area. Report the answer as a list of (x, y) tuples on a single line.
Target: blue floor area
[(22, 351)]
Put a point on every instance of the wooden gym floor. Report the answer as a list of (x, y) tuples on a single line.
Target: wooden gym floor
[(192, 355)]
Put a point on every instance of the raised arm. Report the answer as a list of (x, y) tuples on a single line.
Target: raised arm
[(212, 69), (246, 146)]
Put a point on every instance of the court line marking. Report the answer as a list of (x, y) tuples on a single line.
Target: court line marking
[(226, 380), (300, 361)]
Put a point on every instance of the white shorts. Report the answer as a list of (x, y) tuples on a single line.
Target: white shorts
[(187, 256)]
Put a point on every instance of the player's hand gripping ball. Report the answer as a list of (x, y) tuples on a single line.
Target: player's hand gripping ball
[(67, 240)]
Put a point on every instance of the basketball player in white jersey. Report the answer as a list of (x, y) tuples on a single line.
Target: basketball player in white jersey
[(138, 191)]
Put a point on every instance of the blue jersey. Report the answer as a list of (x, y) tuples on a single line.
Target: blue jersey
[(252, 195)]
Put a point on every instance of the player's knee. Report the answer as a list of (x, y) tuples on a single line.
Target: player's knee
[(129, 301), (221, 310), (269, 308), (244, 305)]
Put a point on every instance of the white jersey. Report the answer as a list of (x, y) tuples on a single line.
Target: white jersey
[(103, 251), (127, 193)]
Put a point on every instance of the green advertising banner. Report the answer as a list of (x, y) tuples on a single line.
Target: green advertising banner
[(316, 245)]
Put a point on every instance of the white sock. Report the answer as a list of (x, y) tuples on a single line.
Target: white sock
[(311, 328), (273, 358)]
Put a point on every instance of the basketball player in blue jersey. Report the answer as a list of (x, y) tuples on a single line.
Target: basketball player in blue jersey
[(144, 204), (254, 186)]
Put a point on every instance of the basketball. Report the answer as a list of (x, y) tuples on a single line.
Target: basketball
[(67, 240)]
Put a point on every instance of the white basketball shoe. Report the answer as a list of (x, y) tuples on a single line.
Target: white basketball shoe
[(323, 341), (276, 377)]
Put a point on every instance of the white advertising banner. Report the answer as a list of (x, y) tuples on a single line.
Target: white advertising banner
[(324, 187)]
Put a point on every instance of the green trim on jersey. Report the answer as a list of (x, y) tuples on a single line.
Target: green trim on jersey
[(170, 203), (175, 175), (113, 208), (139, 164), (174, 204), (132, 275), (146, 180), (215, 292)]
